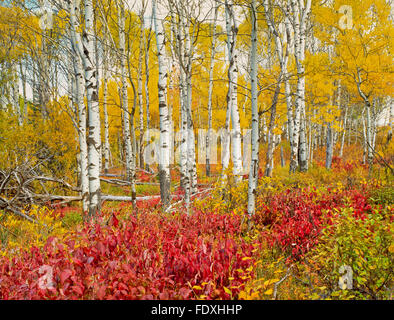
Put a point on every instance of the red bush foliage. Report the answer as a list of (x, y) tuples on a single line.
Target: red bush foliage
[(296, 216), (152, 257)]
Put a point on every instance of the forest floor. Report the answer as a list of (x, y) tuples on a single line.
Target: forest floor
[(310, 231)]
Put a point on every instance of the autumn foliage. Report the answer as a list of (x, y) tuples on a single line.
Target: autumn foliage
[(156, 255), (152, 257)]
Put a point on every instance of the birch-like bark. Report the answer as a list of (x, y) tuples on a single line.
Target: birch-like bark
[(210, 89), (105, 105), (178, 32), (391, 122), (368, 133), (97, 62), (139, 86), (289, 105), (344, 131), (43, 77), (364, 137), (15, 93), (183, 48), (191, 153), (24, 96), (232, 31), (282, 54), (299, 14), (164, 158), (94, 138), (129, 156), (78, 97), (305, 9), (329, 146), (310, 138), (254, 167), (147, 42)]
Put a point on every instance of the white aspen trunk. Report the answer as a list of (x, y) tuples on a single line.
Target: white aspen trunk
[(139, 86), (178, 30), (310, 138), (313, 138), (225, 143), (210, 89), (374, 124), (97, 62), (191, 153), (164, 158), (43, 77), (78, 96), (232, 31), (344, 131), (82, 135), (305, 9), (369, 135), (289, 105), (105, 107), (391, 122), (300, 15), (185, 178), (23, 78), (225, 136), (171, 88), (184, 49), (297, 116), (270, 139), (15, 93), (303, 148), (329, 146), (147, 99), (351, 126), (254, 167), (283, 61), (364, 137), (129, 156), (94, 138), (133, 139)]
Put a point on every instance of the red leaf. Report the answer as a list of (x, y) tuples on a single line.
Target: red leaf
[(184, 292), (101, 292), (115, 221), (164, 295), (78, 290), (65, 275)]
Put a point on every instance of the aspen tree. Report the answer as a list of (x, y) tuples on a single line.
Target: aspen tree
[(164, 144), (210, 89), (253, 175), (94, 138), (78, 95), (232, 96)]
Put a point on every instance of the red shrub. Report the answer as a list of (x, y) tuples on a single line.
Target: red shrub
[(152, 257), (296, 216)]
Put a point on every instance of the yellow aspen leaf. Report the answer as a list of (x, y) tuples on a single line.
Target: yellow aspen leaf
[(268, 292), (227, 290)]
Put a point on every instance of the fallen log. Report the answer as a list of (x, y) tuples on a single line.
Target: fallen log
[(125, 198), (111, 175), (127, 183), (104, 197)]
